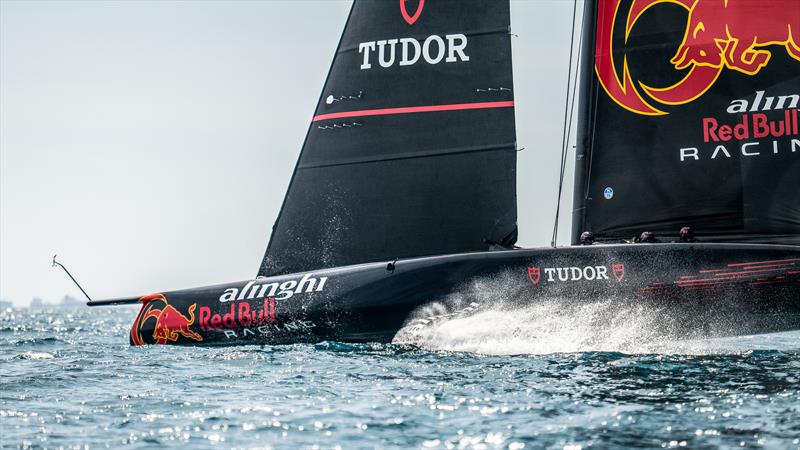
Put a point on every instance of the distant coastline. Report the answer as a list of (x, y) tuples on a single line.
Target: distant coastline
[(66, 302)]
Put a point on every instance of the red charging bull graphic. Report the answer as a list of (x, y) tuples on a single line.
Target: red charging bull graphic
[(170, 324), (739, 35)]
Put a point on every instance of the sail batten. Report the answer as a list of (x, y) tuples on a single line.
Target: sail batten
[(509, 146)]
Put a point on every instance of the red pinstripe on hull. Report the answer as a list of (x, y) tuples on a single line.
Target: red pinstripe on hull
[(764, 262), (749, 273)]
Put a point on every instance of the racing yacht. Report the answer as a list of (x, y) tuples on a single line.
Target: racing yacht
[(405, 188)]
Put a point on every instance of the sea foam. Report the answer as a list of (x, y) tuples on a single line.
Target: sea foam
[(489, 316)]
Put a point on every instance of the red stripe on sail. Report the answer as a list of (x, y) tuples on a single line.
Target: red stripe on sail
[(414, 109)]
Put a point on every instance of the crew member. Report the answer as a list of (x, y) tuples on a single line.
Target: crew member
[(587, 238), (648, 237), (687, 235)]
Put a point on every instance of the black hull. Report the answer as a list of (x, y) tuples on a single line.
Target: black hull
[(745, 289)]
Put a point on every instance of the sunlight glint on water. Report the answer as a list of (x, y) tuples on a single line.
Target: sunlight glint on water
[(69, 378)]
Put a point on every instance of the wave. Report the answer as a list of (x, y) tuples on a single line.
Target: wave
[(35, 356)]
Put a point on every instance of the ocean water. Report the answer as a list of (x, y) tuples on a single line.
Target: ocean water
[(531, 379)]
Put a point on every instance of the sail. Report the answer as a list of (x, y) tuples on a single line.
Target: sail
[(690, 118), (411, 150)]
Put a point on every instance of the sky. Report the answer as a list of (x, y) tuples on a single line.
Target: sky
[(150, 144)]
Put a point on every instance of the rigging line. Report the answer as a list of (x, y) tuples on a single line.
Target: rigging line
[(565, 137), (569, 127), (565, 150), (571, 113)]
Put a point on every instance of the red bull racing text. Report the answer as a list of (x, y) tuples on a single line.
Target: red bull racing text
[(239, 315)]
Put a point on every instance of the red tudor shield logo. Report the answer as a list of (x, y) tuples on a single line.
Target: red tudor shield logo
[(409, 18), (534, 274), (618, 269)]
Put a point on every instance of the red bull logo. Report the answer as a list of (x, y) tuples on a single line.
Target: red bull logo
[(738, 35), (169, 323)]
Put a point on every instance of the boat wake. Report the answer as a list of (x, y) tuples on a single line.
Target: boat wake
[(487, 319)]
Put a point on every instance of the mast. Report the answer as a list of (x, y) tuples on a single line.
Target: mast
[(583, 147)]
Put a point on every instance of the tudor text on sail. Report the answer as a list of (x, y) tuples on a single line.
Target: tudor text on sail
[(432, 50)]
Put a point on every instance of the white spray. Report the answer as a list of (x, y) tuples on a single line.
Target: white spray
[(496, 316)]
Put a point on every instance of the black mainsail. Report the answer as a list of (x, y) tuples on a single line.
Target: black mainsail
[(411, 151), (690, 113)]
